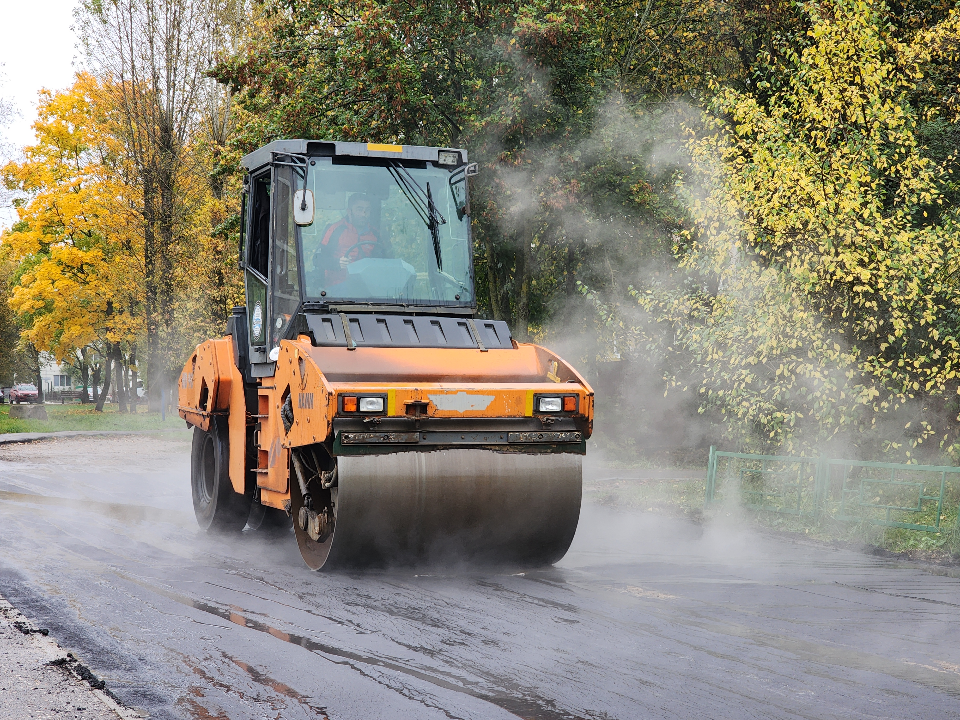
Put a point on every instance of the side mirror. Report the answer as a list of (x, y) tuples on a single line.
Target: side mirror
[(458, 186), (303, 207)]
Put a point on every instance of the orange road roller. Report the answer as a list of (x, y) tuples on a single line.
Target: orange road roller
[(358, 395)]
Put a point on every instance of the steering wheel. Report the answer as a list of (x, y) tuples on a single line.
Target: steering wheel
[(353, 247)]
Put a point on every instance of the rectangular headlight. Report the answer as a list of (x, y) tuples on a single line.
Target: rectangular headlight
[(548, 404), (446, 157), (371, 404)]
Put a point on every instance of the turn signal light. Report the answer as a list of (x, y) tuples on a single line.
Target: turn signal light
[(349, 403), (569, 403)]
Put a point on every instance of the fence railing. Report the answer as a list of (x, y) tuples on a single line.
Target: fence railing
[(890, 494)]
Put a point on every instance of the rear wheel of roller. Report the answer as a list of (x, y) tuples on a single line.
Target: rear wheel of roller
[(268, 520), (215, 503)]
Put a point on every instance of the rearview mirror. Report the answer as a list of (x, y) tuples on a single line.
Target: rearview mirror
[(458, 186), (303, 207)]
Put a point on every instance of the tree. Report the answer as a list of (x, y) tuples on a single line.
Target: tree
[(821, 298), (153, 54), (519, 84), (79, 278)]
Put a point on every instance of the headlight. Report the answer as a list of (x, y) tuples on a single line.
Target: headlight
[(446, 157), (550, 404), (371, 404)]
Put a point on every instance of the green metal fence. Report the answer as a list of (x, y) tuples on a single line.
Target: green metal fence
[(890, 494)]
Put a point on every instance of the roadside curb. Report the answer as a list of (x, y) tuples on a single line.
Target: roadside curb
[(8, 438), (41, 651)]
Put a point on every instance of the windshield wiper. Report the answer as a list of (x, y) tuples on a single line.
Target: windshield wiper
[(434, 227), (422, 201)]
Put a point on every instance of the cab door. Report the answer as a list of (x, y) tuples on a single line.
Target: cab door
[(257, 264), (284, 266)]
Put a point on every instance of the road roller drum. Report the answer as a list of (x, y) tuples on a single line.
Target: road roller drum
[(446, 507)]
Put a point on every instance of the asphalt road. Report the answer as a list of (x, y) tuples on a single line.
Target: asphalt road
[(646, 617)]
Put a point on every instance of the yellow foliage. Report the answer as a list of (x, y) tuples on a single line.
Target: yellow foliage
[(823, 285), (79, 235)]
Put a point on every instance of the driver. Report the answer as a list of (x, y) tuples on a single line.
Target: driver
[(349, 239)]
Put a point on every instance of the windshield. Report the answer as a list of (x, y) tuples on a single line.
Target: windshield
[(386, 234)]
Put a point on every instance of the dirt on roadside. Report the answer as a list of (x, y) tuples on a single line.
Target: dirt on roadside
[(39, 680)]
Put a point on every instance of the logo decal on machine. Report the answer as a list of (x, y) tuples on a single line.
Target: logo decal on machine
[(461, 402), (257, 323)]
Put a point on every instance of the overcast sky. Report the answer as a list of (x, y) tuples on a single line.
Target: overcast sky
[(37, 51)]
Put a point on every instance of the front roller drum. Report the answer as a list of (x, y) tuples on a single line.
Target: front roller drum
[(446, 507)]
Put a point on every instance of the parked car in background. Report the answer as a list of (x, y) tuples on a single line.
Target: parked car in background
[(4, 394), (24, 393)]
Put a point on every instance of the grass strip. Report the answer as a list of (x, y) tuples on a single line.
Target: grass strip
[(84, 417)]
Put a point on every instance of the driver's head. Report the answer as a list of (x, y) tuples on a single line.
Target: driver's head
[(358, 210)]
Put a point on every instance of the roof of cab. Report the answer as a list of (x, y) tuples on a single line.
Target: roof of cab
[(262, 156)]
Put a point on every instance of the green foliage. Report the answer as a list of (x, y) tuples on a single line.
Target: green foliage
[(521, 85), (789, 267), (824, 260)]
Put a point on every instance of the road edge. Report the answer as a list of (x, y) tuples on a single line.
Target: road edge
[(10, 438), (66, 660)]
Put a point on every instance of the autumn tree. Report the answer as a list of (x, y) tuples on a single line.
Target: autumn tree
[(78, 280), (822, 292)]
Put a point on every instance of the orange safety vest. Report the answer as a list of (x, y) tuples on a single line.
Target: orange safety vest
[(343, 235)]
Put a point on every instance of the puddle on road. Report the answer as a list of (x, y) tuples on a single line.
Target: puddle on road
[(202, 713), (277, 686)]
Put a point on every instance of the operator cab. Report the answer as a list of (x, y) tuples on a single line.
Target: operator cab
[(359, 244)]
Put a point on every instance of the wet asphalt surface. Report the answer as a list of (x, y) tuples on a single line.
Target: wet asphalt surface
[(646, 617)]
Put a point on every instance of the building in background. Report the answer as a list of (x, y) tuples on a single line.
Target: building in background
[(54, 376)]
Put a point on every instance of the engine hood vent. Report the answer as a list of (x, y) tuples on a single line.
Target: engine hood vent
[(411, 331)]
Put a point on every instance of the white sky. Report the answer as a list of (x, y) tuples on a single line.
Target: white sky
[(37, 50)]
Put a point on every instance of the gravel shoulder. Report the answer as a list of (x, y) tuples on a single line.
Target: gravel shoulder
[(40, 680)]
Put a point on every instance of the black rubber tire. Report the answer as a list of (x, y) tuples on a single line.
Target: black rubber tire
[(268, 520), (217, 506)]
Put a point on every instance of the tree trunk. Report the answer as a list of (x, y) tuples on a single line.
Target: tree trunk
[(131, 399), (493, 287), (107, 368), (96, 383), (37, 377), (151, 304), (120, 391), (167, 222), (84, 377), (522, 329), (135, 397)]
